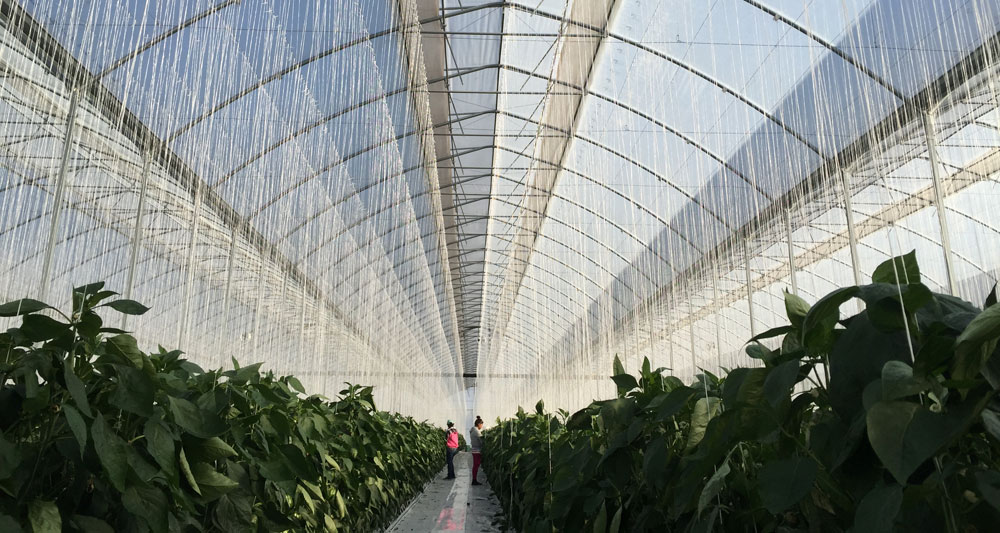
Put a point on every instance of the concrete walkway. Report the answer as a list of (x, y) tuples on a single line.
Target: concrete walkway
[(453, 504)]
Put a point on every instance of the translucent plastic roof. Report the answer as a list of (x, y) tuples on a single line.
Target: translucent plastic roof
[(446, 190)]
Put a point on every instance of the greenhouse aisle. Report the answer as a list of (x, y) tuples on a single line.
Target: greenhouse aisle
[(453, 504)]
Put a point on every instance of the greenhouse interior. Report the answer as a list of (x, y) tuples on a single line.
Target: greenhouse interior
[(626, 265)]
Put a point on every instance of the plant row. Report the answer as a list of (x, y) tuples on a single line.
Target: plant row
[(883, 421), (98, 436)]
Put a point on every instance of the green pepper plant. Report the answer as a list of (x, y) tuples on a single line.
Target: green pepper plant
[(99, 436), (886, 420)]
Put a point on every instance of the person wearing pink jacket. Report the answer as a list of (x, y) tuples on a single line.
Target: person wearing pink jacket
[(451, 448)]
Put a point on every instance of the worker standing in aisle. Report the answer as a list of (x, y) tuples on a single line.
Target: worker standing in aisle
[(476, 442), (451, 448)]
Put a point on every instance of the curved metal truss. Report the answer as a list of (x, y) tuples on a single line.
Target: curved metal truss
[(484, 188)]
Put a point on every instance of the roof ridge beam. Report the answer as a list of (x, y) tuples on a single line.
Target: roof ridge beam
[(574, 62), (418, 89)]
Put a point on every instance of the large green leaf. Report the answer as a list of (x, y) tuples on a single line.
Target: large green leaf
[(160, 444), (208, 450), (296, 384), (878, 509), (617, 368), (188, 473), (44, 517), (780, 381), (654, 462), (300, 465), (89, 289), (672, 402), (988, 483), (905, 434), (275, 469), (713, 487), (857, 359), (935, 354), (112, 451), (625, 383), (126, 346), (704, 410), (149, 504), (601, 520), (128, 307), (10, 457), (249, 373), (134, 392), (900, 270), (783, 483), (90, 524), (76, 388), (9, 525), (734, 381), (197, 421), (898, 381), (617, 413), (616, 521), (39, 328), (747, 388), (233, 512), (212, 483), (991, 421), (976, 343), (23, 306), (758, 351), (818, 324), (892, 307), (76, 425), (773, 332), (581, 419), (796, 308)]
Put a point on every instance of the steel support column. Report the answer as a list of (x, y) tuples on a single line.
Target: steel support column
[(189, 269), (930, 137), (302, 326), (791, 252), (718, 310), (147, 163), (694, 359), (852, 236), (230, 260), (60, 194), (258, 309), (746, 269)]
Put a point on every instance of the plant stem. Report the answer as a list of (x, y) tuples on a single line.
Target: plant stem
[(38, 461)]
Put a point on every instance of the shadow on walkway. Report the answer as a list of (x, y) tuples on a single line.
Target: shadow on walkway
[(453, 504)]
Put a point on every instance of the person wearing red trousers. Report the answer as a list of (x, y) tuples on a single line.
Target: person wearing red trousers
[(476, 443)]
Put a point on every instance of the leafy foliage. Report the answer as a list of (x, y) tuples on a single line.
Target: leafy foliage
[(96, 435), (883, 421)]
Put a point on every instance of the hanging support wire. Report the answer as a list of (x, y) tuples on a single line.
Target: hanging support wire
[(930, 137), (60, 194)]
